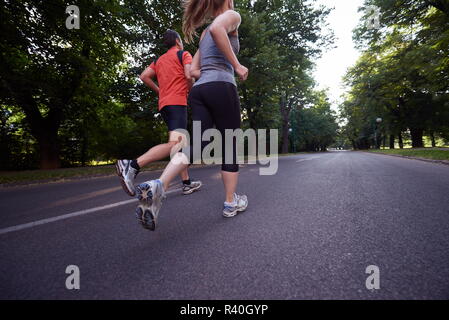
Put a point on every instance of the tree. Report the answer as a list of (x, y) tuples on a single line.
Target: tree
[(314, 125), (402, 74), (55, 75), (279, 39), (72, 96)]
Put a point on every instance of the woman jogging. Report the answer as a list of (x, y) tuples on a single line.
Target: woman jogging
[(214, 101), (173, 74)]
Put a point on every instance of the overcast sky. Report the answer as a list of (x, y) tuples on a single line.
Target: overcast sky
[(333, 65)]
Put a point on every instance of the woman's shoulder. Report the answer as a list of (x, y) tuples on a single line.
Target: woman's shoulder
[(232, 13), (229, 17)]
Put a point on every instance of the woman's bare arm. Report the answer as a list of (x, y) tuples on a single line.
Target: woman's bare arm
[(195, 68), (196, 62), (188, 76), (223, 25)]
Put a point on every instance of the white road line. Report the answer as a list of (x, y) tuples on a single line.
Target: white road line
[(70, 215), (301, 160)]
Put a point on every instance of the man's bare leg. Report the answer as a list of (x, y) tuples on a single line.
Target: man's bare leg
[(127, 170), (178, 164), (176, 141), (156, 153), (185, 175)]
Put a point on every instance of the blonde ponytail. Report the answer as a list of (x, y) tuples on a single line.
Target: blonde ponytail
[(196, 13)]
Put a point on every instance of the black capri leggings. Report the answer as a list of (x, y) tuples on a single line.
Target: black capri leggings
[(217, 104)]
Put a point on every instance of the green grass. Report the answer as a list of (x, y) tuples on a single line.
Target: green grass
[(36, 176), (426, 153)]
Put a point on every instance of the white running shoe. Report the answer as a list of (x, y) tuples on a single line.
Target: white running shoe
[(239, 205), (150, 195), (127, 176)]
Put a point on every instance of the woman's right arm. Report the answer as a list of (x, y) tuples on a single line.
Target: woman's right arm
[(195, 69), (223, 25)]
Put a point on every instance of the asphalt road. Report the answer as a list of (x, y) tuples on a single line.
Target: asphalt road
[(310, 232)]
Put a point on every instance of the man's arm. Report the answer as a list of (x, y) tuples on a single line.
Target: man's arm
[(147, 77)]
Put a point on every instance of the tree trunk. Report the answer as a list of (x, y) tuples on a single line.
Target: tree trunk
[(49, 151), (417, 134), (84, 148), (284, 137), (432, 137), (285, 114), (400, 141), (391, 141)]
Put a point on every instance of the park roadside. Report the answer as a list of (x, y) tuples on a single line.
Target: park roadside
[(33, 177), (434, 155)]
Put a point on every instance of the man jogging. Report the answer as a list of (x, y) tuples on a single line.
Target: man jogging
[(172, 71), (214, 101)]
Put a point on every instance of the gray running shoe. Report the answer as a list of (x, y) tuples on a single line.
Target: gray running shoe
[(127, 176), (192, 187), (239, 205), (150, 195)]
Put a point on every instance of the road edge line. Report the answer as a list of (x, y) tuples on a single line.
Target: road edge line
[(36, 223)]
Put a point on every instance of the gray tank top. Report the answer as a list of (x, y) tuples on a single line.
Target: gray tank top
[(214, 65)]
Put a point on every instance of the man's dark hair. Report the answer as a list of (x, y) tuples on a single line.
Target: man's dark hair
[(170, 37)]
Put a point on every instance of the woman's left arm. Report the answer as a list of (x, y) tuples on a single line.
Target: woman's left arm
[(223, 25)]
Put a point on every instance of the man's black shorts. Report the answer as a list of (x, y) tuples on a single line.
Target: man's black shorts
[(175, 117)]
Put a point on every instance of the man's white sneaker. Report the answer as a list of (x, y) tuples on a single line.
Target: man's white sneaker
[(127, 176), (150, 195), (192, 187)]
